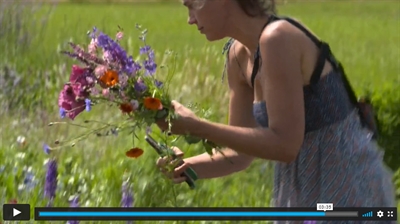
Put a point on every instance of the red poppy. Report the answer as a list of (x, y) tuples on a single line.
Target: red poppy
[(152, 103), (126, 108), (134, 153)]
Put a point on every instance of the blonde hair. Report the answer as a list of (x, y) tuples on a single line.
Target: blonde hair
[(256, 8), (252, 8)]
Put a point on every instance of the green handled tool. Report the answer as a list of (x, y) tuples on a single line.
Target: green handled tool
[(162, 150)]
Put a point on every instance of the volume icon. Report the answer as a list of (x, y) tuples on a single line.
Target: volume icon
[(368, 214)]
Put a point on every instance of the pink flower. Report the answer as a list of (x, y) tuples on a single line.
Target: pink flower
[(80, 91), (76, 74), (81, 81), (119, 35), (68, 102), (106, 93), (81, 76), (90, 80), (92, 47), (107, 56), (100, 70)]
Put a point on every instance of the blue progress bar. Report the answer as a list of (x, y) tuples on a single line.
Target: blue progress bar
[(180, 214)]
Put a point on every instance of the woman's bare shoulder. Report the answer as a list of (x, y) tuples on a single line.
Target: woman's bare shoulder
[(237, 58)]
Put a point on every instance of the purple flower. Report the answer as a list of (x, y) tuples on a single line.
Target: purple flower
[(93, 33), (151, 55), (29, 180), (158, 84), (88, 105), (149, 64), (50, 185), (150, 67), (144, 50), (140, 86), (103, 40), (46, 149), (127, 200), (132, 67), (117, 53), (127, 197), (74, 203)]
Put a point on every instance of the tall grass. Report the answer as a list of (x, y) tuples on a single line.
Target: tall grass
[(362, 35)]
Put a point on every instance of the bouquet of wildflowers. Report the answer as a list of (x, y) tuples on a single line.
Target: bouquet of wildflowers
[(107, 74)]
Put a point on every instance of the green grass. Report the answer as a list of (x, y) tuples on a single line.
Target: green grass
[(362, 34)]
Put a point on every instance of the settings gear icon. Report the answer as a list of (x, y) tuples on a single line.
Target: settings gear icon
[(379, 214)]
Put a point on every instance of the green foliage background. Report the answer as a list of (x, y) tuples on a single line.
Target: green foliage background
[(362, 34)]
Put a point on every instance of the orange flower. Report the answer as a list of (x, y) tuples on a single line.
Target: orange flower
[(134, 153), (109, 78), (126, 108), (152, 103)]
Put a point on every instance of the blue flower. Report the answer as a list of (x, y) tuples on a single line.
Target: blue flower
[(62, 112), (88, 104), (46, 149)]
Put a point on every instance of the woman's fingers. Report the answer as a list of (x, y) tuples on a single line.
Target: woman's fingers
[(177, 151), (179, 177), (179, 166)]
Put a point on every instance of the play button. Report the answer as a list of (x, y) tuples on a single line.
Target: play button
[(12, 212), (16, 212)]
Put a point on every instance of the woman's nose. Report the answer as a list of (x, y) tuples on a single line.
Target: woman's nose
[(191, 20)]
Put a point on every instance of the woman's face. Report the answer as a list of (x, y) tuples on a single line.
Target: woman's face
[(209, 16)]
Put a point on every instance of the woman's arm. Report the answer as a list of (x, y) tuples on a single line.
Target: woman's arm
[(208, 167), (282, 86), (240, 115)]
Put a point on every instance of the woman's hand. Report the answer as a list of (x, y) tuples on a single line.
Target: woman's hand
[(185, 122), (174, 173)]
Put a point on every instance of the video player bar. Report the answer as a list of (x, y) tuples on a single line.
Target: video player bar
[(49, 214)]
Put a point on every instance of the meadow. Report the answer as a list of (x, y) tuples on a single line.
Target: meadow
[(364, 35)]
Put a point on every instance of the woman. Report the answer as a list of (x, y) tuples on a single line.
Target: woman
[(291, 108)]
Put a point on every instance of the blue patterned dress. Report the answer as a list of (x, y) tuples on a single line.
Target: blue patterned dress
[(338, 162)]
